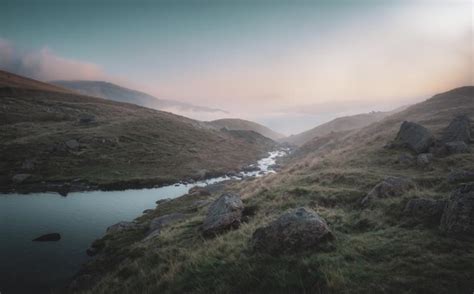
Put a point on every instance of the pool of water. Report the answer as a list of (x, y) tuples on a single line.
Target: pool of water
[(80, 218)]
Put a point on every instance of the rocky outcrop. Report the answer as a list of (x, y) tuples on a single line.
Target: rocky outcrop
[(459, 176), (456, 147), (158, 223), (458, 216), (389, 187), (458, 130), (297, 230), (122, 226), (424, 210), (413, 136), (225, 213), (52, 237)]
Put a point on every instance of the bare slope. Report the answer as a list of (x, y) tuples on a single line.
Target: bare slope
[(240, 124), (79, 140)]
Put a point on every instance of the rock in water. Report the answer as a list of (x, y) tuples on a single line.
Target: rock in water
[(458, 216), (425, 210), (296, 230), (225, 213), (458, 130), (389, 187), (48, 238), (414, 136), (457, 147)]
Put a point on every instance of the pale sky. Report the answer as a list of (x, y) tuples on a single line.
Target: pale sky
[(288, 64)]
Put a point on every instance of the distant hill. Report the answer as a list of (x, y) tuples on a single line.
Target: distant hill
[(60, 138), (114, 92), (240, 124), (341, 124)]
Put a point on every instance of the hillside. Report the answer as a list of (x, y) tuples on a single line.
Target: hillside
[(240, 124), (114, 92), (53, 140), (341, 124), (14, 81), (397, 241)]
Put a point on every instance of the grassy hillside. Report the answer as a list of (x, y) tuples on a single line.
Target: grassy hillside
[(240, 124), (51, 139), (377, 248)]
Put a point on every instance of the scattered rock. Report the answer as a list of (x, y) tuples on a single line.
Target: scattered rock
[(424, 159), (457, 147), (72, 144), (390, 187), (458, 130), (426, 210), (225, 213), (406, 159), (20, 178), (157, 224), (199, 191), (458, 216), (414, 136), (122, 226), (87, 119), (48, 238), (296, 230), (457, 176)]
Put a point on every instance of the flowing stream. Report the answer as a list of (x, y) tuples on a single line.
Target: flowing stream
[(80, 218)]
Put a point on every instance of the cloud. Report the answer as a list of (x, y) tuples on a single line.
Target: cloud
[(45, 65)]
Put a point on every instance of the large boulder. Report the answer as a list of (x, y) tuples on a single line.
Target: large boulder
[(296, 230), (459, 176), (225, 213), (158, 223), (458, 130), (458, 216), (389, 187), (414, 136), (457, 147), (122, 226), (425, 210)]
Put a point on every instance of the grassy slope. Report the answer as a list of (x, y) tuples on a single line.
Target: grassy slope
[(376, 249), (240, 124), (127, 143)]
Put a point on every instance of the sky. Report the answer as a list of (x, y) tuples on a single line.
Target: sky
[(290, 65)]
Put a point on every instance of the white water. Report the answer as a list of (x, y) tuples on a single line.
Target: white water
[(80, 218)]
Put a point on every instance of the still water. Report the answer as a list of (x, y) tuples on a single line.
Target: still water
[(80, 218)]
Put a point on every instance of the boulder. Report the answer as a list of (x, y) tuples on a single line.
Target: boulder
[(225, 213), (158, 223), (457, 176), (199, 191), (458, 130), (87, 119), (389, 187), (297, 230), (458, 216), (414, 136), (122, 226), (457, 147), (20, 178), (52, 237), (424, 159), (425, 210), (406, 159), (72, 144)]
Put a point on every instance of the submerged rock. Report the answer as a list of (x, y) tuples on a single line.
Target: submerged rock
[(413, 136), (425, 210), (225, 213), (296, 230), (458, 130), (458, 216), (48, 238), (389, 187)]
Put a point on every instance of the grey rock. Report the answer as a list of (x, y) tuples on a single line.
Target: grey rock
[(161, 201), (146, 211), (425, 210), (87, 119), (20, 178), (457, 147), (225, 213), (389, 187), (297, 230), (424, 159), (199, 191), (414, 136), (458, 130), (158, 223), (72, 144), (457, 176), (406, 159), (122, 226), (201, 203), (458, 216)]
